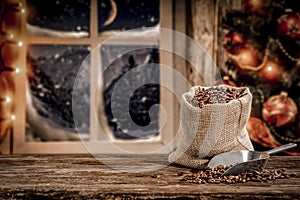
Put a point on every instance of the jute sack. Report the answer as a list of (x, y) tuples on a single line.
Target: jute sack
[(211, 130)]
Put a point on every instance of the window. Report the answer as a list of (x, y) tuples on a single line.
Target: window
[(63, 38)]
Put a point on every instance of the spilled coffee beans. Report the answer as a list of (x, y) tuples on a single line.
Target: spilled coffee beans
[(214, 95), (213, 176)]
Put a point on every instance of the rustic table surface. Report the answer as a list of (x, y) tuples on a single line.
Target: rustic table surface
[(84, 177)]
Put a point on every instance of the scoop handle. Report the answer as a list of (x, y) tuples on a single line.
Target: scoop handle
[(281, 148)]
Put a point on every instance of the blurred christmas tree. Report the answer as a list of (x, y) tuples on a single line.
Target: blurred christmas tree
[(262, 43)]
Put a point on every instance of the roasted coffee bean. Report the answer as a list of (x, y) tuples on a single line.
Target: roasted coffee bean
[(213, 176), (213, 95), (180, 174)]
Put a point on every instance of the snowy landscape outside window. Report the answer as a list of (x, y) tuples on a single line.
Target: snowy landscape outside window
[(60, 35)]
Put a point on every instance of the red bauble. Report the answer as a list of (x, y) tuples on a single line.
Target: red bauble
[(248, 57), (233, 42), (289, 25), (226, 81), (279, 110), (256, 7), (260, 133), (271, 71)]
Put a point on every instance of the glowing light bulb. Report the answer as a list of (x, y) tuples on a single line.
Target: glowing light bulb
[(23, 10), (256, 2), (20, 43), (269, 68), (247, 57), (271, 71), (13, 117), (7, 99), (11, 36), (17, 70)]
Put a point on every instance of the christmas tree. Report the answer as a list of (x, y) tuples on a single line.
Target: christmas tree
[(262, 43)]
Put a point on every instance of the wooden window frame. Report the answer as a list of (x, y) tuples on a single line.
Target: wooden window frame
[(20, 146)]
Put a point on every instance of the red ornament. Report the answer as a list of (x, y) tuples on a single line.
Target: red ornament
[(271, 71), (279, 110), (260, 133), (226, 81), (256, 7), (289, 25), (248, 57), (233, 42)]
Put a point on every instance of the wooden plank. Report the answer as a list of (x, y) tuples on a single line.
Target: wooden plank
[(83, 176), (202, 30)]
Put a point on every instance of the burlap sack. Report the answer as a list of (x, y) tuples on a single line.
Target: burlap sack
[(211, 130)]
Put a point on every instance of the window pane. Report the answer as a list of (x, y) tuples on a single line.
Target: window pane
[(58, 18), (52, 70), (127, 14), (121, 81)]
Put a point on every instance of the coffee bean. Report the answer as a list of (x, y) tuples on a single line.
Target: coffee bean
[(213, 176), (213, 95), (180, 174), (221, 167)]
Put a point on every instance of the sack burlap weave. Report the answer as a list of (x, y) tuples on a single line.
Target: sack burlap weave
[(211, 130)]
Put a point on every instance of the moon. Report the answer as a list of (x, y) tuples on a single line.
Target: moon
[(112, 13)]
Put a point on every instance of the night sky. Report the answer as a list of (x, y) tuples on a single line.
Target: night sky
[(74, 15), (63, 15), (131, 14)]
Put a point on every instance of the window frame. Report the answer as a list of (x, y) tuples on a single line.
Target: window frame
[(20, 146)]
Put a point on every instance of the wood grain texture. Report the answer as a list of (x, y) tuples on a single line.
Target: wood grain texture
[(84, 177), (201, 21)]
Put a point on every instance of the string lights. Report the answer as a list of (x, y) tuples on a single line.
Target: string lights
[(246, 58), (10, 48)]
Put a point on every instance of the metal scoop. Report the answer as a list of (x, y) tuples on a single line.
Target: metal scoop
[(243, 160)]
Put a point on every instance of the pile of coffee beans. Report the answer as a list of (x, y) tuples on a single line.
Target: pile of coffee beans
[(215, 94), (213, 176)]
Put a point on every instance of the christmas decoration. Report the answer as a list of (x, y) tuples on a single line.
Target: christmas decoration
[(279, 110), (260, 133), (289, 25), (248, 57), (10, 47), (266, 60), (233, 42), (226, 81), (254, 7), (271, 71)]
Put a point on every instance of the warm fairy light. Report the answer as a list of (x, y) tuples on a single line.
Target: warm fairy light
[(17, 70), (23, 10), (255, 3), (269, 68), (7, 99), (271, 71), (11, 36), (13, 117), (20, 43), (247, 57)]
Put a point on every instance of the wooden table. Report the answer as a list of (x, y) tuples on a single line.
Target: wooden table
[(84, 177)]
